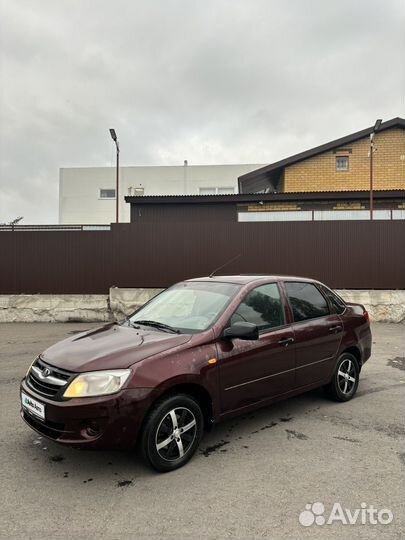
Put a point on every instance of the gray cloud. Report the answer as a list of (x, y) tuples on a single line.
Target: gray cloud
[(221, 81)]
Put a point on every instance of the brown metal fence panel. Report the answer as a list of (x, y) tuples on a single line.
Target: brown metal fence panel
[(344, 254)]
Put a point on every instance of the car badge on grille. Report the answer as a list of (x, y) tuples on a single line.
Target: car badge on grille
[(46, 372)]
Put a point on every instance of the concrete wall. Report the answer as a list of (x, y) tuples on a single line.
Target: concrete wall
[(123, 302), (383, 306), (79, 187), (54, 308)]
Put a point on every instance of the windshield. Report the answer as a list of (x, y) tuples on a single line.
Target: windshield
[(191, 306)]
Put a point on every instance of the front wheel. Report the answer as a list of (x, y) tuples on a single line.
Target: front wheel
[(172, 432), (345, 379)]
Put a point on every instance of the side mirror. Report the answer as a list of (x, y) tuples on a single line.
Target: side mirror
[(242, 330)]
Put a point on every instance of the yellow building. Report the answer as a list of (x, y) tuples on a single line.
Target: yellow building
[(340, 165)]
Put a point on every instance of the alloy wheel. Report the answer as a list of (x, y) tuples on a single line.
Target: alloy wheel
[(175, 434), (346, 376)]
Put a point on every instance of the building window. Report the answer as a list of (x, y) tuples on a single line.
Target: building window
[(207, 191), (107, 194), (216, 190), (342, 163), (136, 191)]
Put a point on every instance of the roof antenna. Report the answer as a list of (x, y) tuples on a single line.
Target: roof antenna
[(226, 264)]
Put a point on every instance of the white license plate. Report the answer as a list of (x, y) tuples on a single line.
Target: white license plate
[(32, 405)]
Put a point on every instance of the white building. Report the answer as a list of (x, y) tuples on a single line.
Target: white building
[(87, 194)]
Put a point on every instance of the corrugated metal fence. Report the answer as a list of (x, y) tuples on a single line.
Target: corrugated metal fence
[(347, 254)]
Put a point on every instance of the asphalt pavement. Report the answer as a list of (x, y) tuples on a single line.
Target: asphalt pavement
[(251, 478)]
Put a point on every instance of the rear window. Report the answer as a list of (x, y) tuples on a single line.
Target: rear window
[(306, 301)]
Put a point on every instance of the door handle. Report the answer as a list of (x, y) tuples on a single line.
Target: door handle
[(336, 328), (286, 341)]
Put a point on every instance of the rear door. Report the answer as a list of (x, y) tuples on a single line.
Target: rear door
[(317, 332), (251, 371)]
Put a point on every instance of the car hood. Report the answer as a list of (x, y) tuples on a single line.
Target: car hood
[(110, 347)]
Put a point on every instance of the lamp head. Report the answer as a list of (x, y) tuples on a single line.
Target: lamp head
[(377, 124)]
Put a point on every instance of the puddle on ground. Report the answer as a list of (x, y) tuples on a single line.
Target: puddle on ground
[(57, 459), (348, 439), (397, 362), (213, 448), (124, 483), (291, 434), (267, 426)]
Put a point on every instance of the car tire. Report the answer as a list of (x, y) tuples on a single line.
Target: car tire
[(172, 432), (345, 381)]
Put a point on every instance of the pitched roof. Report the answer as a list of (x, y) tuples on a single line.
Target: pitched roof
[(395, 122)]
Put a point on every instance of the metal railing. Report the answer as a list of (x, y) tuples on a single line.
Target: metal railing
[(55, 228)]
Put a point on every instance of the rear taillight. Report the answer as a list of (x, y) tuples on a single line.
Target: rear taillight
[(366, 316)]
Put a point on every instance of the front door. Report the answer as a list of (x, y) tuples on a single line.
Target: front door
[(251, 371)]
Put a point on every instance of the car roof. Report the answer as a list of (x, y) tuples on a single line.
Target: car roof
[(245, 279)]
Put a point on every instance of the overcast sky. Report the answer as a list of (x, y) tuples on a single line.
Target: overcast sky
[(213, 81)]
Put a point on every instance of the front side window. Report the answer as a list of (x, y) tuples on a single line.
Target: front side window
[(342, 163), (306, 301), (262, 306), (190, 306)]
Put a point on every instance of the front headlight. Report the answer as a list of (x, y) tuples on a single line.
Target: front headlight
[(97, 383)]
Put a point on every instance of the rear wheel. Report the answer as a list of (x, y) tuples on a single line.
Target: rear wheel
[(345, 379), (172, 432)]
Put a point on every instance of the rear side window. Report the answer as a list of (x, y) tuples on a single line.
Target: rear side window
[(306, 301), (262, 306), (337, 302)]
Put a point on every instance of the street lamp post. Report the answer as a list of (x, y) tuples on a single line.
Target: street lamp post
[(375, 129), (117, 173)]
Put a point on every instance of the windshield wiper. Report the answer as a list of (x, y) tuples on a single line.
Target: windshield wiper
[(159, 325)]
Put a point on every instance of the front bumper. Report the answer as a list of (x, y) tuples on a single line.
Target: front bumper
[(103, 422)]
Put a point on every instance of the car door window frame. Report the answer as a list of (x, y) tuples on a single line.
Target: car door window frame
[(291, 311), (326, 291), (283, 308)]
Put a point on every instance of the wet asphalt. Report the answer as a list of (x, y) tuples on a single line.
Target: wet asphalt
[(251, 478)]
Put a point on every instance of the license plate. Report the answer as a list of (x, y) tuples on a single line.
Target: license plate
[(33, 406)]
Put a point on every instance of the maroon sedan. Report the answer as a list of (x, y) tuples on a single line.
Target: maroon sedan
[(201, 351)]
